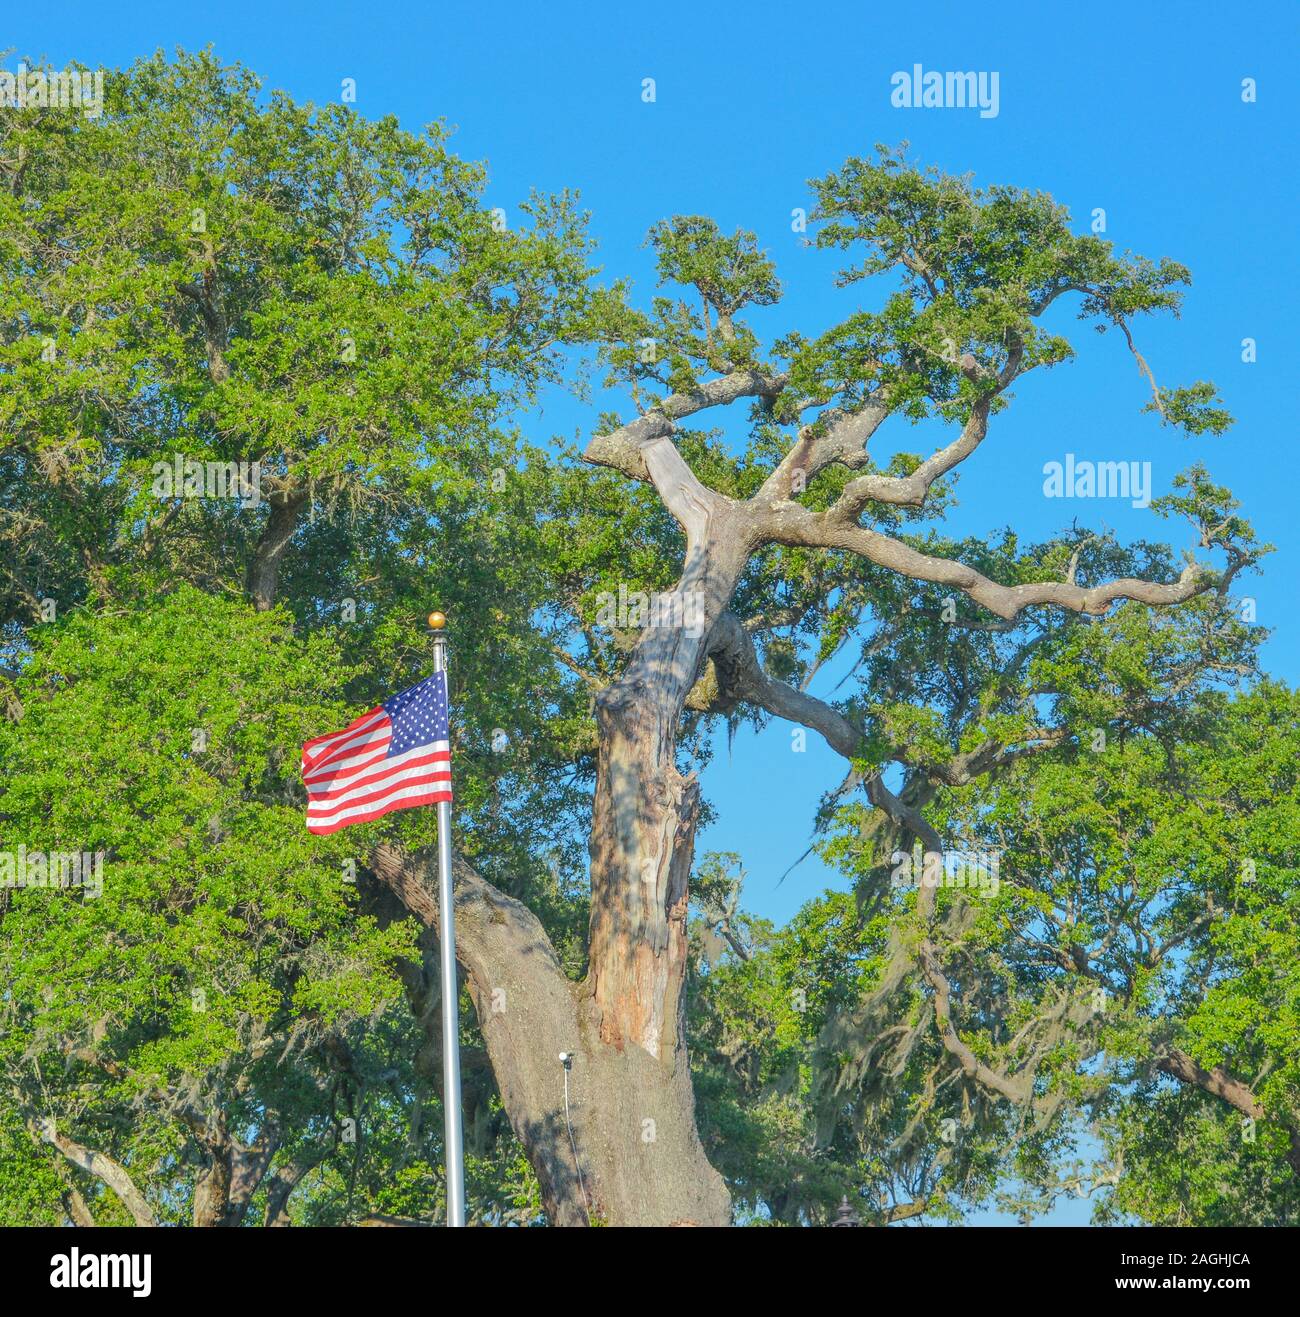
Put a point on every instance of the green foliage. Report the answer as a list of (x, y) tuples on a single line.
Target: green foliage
[(202, 270), (978, 265), (1192, 409), (1146, 906), (209, 271), (212, 271)]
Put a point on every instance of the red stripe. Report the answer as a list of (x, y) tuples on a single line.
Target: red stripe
[(432, 798), (353, 743), (351, 740), (331, 772)]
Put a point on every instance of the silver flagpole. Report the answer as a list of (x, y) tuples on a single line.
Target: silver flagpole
[(454, 1151)]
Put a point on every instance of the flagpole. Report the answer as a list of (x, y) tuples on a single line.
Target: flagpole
[(454, 1150)]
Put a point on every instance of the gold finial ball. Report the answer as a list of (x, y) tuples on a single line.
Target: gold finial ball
[(437, 621)]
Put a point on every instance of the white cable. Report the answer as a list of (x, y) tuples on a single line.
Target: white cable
[(572, 1144)]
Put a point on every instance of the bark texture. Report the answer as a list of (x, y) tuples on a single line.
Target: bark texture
[(625, 1151), (104, 1168)]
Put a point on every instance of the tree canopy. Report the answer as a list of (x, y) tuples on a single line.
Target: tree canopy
[(1068, 812)]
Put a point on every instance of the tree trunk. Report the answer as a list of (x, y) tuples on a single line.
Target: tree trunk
[(642, 847), (630, 1117), (211, 1191), (264, 568), (626, 1151), (230, 1172)]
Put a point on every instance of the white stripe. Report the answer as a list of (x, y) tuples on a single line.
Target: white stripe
[(353, 737), (402, 793), (326, 747)]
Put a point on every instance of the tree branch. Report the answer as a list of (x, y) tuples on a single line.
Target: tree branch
[(623, 449), (836, 436), (281, 524), (525, 1005), (911, 491), (789, 523), (99, 1165)]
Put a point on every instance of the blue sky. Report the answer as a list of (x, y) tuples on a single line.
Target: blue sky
[(1136, 109)]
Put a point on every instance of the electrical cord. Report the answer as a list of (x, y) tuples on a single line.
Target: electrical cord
[(566, 1061)]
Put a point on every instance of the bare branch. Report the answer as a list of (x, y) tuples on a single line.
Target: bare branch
[(623, 449), (911, 491), (738, 675), (103, 1167), (836, 436), (792, 524)]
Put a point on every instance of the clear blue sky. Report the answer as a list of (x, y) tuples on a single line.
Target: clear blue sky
[(1135, 108)]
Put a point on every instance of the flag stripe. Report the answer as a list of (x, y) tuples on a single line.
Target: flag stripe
[(345, 768), (337, 779), (365, 799), (433, 799), (402, 798), (337, 790), (368, 786), (354, 726), (341, 751)]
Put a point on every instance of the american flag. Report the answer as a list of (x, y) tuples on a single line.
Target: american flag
[(394, 757)]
